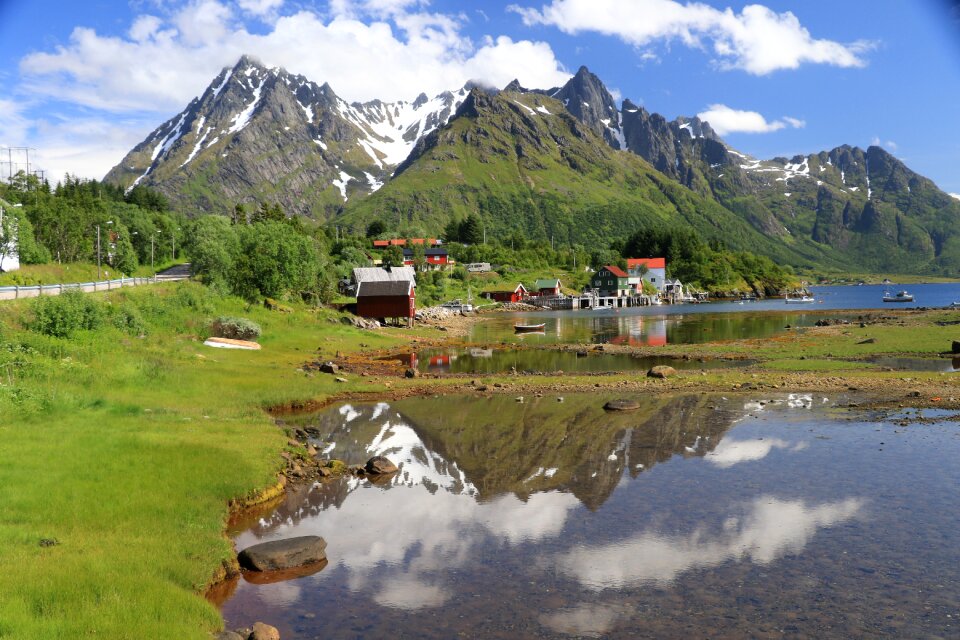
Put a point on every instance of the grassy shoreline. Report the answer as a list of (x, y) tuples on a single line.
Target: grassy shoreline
[(128, 450)]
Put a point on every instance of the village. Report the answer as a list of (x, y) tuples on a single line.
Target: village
[(387, 293)]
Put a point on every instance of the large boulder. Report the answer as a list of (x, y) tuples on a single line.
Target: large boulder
[(661, 371), (283, 554), (378, 465), (329, 367), (622, 405), (263, 631)]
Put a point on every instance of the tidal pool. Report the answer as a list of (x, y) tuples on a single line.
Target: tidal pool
[(489, 360), (695, 516)]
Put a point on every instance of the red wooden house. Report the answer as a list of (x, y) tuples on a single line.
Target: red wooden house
[(391, 299), (434, 257), (517, 295)]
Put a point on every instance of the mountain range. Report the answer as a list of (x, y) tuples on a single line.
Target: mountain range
[(564, 164)]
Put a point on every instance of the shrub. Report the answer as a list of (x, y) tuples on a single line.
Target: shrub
[(61, 316), (129, 320), (235, 328)]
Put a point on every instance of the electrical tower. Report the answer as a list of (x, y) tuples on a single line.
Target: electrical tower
[(13, 160)]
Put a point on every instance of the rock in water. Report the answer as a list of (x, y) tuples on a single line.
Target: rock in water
[(283, 554), (661, 371), (263, 631), (378, 465), (622, 405)]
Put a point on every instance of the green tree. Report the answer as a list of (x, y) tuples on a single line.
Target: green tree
[(276, 261), (375, 228), (212, 246), (393, 256), (471, 230)]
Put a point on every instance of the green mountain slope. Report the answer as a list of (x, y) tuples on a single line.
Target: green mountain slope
[(523, 163)]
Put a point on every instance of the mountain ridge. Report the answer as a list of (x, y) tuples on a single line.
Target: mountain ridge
[(261, 134)]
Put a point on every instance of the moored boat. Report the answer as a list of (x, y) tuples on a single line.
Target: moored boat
[(901, 296), (801, 299), (526, 328)]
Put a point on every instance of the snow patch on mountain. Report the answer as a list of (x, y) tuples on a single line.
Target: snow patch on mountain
[(341, 184), (242, 119)]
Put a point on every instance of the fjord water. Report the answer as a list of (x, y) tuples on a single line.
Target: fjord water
[(710, 322), (695, 516)]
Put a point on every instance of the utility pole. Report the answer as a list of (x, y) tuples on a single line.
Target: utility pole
[(99, 273)]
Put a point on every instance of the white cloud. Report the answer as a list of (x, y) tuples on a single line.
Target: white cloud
[(260, 7), (165, 60), (757, 40), (954, 195), (726, 120)]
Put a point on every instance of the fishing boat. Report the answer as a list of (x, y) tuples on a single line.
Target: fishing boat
[(529, 328), (800, 299), (901, 296)]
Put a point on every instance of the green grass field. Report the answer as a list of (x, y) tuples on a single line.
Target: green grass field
[(127, 450)]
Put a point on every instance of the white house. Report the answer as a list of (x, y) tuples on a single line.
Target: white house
[(656, 270), (9, 253)]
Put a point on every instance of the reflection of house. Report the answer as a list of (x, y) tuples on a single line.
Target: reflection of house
[(517, 295), (434, 258), (387, 299), (547, 287), (656, 270)]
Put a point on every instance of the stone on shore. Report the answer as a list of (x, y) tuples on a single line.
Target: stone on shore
[(622, 405), (378, 465), (661, 371), (263, 631), (283, 554), (329, 367)]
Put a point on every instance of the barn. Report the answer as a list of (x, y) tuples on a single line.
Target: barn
[(517, 295), (387, 299)]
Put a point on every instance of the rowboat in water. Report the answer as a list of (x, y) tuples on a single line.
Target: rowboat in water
[(527, 328)]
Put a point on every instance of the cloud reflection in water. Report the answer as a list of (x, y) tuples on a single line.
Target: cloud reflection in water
[(769, 530)]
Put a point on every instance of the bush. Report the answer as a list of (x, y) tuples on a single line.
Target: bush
[(235, 328), (61, 316), (129, 320)]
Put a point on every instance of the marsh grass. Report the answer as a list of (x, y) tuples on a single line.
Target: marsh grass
[(126, 449)]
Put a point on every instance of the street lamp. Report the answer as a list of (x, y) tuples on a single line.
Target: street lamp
[(152, 238), (99, 272)]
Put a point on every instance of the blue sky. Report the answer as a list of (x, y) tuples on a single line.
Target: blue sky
[(81, 83)]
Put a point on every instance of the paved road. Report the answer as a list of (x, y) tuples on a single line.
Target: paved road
[(176, 272)]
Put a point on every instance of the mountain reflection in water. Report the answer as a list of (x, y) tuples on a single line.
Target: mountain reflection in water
[(548, 519)]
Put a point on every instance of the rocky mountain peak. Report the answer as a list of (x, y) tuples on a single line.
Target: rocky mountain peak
[(587, 99)]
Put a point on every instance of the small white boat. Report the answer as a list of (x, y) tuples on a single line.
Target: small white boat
[(457, 305), (526, 328), (799, 300), (902, 296)]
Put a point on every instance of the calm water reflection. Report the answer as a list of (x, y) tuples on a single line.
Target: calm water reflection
[(633, 328), (488, 360), (693, 516)]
